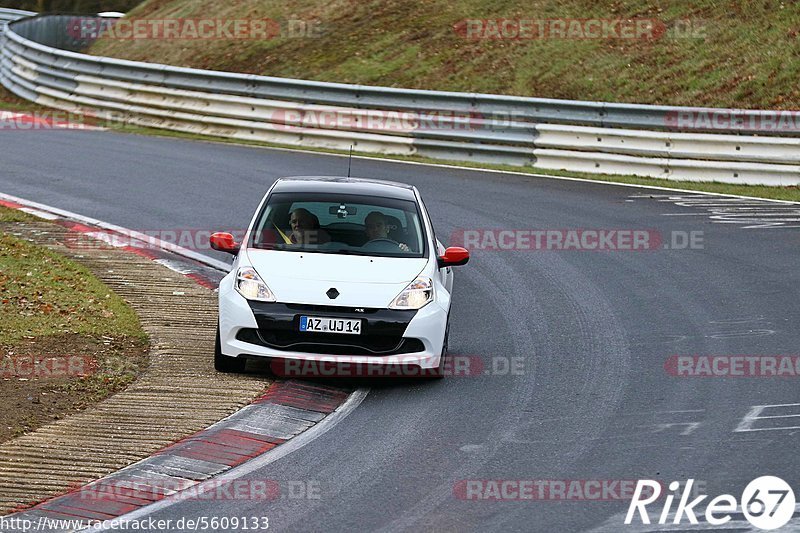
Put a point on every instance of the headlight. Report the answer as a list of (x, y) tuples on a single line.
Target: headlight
[(418, 294), (249, 285)]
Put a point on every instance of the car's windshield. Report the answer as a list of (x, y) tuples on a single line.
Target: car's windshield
[(340, 224)]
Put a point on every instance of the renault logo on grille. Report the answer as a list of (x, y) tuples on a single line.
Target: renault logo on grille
[(332, 293)]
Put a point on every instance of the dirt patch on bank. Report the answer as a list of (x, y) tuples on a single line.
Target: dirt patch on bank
[(47, 378)]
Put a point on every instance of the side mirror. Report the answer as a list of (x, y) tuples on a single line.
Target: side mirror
[(224, 242), (454, 256)]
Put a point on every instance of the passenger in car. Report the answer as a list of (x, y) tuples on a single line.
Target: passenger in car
[(305, 228), (376, 227)]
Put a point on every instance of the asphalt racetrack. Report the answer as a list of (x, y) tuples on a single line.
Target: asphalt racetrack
[(571, 353)]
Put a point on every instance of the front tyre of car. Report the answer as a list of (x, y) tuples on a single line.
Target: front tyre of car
[(223, 363)]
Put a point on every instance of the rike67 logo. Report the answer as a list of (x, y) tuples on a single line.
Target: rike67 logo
[(767, 503)]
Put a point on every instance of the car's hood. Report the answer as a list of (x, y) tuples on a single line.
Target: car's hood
[(299, 277)]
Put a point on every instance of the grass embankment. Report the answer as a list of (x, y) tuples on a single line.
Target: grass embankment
[(715, 53), (11, 102), (66, 340)]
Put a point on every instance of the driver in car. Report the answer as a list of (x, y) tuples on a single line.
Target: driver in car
[(377, 228), (305, 228)]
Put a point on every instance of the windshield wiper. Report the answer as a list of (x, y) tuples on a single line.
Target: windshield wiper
[(347, 252), (344, 251)]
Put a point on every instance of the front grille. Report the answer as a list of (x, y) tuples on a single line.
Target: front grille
[(311, 309), (330, 344), (382, 330)]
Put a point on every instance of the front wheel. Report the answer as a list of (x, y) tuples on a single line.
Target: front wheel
[(223, 363)]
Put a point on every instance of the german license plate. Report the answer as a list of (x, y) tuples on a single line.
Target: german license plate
[(330, 325)]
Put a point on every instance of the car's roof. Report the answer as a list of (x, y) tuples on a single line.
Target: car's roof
[(337, 184)]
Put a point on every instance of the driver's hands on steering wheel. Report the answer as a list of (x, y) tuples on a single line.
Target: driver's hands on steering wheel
[(403, 246)]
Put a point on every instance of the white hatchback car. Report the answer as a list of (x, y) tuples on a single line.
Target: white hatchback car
[(339, 271)]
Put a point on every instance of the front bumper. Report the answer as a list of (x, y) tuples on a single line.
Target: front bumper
[(389, 337)]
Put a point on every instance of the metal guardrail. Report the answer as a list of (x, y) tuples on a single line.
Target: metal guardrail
[(9, 15), (41, 61)]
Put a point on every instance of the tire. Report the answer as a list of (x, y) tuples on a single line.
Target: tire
[(223, 363), (440, 372)]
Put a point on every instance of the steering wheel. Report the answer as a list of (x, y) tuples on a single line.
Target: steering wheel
[(382, 239)]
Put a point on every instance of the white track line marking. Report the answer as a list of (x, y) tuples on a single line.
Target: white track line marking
[(41, 214), (174, 248)]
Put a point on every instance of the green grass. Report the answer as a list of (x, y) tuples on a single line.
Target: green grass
[(739, 53), (14, 215), (53, 308), (11, 102), (45, 294)]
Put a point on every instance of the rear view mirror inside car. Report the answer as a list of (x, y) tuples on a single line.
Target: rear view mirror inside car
[(342, 211)]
